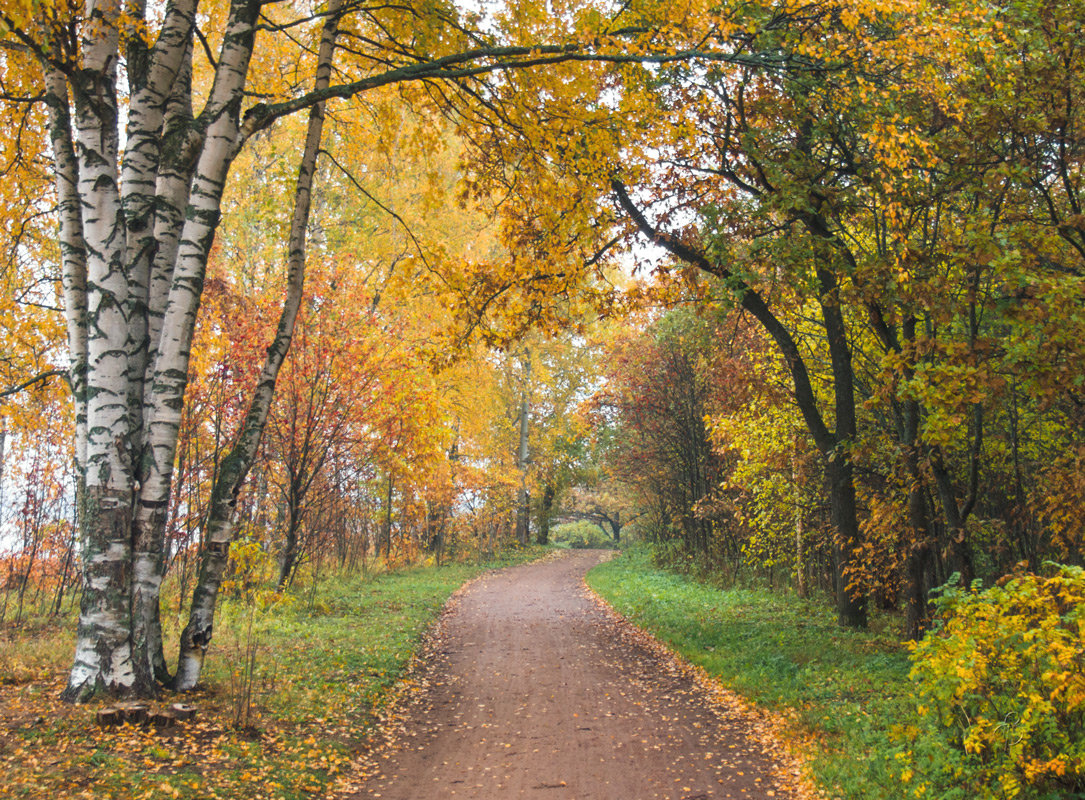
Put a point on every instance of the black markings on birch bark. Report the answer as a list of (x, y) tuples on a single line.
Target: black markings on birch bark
[(196, 637)]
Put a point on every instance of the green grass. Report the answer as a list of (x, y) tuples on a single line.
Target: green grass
[(847, 688), (326, 657), (345, 644)]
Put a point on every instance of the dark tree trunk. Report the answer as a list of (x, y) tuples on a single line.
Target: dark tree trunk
[(850, 605), (288, 559), (547, 508), (386, 528), (919, 549), (523, 508), (958, 548)]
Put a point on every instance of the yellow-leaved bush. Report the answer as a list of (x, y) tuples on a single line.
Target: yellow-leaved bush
[(1000, 693)]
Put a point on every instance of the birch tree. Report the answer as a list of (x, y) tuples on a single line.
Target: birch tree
[(136, 225), (149, 105)]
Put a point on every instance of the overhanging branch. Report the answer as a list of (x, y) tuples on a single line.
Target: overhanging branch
[(484, 60), (42, 378), (752, 302)]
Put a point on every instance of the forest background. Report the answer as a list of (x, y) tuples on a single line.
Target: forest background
[(793, 290)]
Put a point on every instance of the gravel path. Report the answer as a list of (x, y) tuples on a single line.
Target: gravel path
[(534, 689)]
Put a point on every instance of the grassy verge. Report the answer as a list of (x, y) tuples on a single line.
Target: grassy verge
[(845, 688), (291, 690)]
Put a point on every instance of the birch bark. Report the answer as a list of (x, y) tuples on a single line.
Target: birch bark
[(196, 637), (138, 333), (154, 80), (103, 659)]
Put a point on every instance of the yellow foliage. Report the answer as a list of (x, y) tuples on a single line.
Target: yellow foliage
[(250, 565), (1002, 684)]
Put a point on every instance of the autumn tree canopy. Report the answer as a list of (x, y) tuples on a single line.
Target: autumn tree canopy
[(880, 202)]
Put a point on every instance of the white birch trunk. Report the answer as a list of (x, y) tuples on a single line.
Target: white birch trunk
[(151, 77), (196, 637), (73, 254), (172, 316), (179, 140), (119, 648), (218, 149), (153, 88), (103, 658)]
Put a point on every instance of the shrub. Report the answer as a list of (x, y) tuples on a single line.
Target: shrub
[(1000, 693), (580, 535)]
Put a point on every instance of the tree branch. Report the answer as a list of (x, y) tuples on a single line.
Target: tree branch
[(466, 65), (52, 373), (752, 302)]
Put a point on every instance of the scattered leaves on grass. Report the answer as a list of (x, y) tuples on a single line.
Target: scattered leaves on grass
[(775, 734)]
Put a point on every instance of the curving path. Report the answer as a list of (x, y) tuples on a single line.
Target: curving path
[(534, 690)]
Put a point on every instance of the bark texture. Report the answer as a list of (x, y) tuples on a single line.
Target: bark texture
[(197, 634)]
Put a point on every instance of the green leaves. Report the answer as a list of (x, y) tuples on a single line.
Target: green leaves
[(1000, 692)]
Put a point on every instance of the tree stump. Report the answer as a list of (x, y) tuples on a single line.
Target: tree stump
[(183, 711), (164, 720), (135, 713), (108, 717)]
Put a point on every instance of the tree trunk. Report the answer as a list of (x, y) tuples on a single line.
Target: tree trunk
[(916, 568), (958, 547), (196, 637), (545, 510), (289, 555), (919, 549), (386, 526), (800, 559), (104, 659), (62, 584), (850, 605), (523, 508)]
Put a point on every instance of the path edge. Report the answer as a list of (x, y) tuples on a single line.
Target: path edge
[(388, 714), (787, 743)]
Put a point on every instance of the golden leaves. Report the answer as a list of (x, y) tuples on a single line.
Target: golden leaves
[(1003, 681)]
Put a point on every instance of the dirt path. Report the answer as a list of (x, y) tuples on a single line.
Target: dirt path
[(536, 691)]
